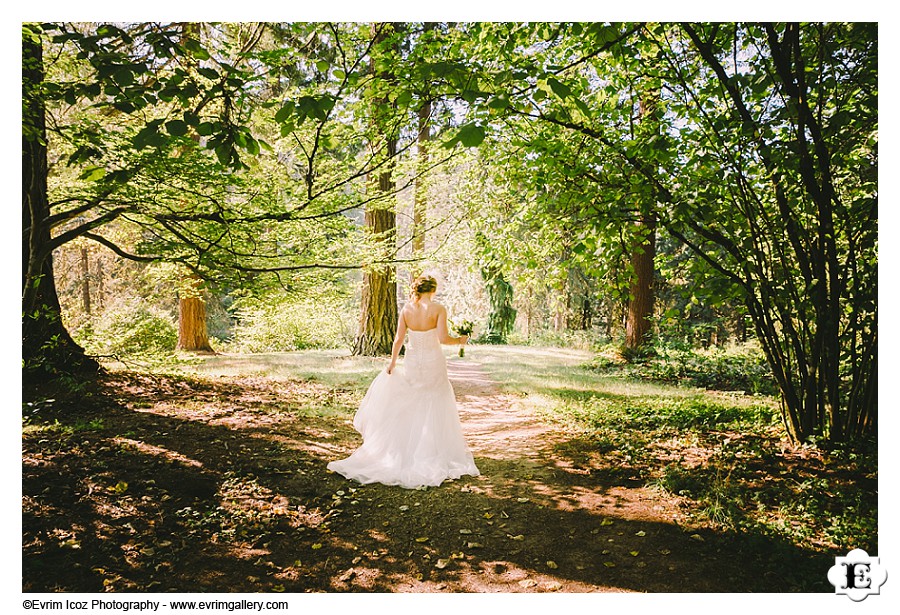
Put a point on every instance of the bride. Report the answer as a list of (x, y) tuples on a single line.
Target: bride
[(408, 419)]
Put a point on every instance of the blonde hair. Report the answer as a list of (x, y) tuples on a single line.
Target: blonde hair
[(422, 285)]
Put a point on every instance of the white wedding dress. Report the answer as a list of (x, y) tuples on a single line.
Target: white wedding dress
[(409, 423)]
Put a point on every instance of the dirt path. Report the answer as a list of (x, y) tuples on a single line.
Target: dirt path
[(220, 485), (494, 425)]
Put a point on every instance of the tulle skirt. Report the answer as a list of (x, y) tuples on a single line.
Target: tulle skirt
[(411, 432)]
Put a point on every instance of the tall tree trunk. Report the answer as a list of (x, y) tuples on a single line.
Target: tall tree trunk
[(640, 305), (47, 348), (378, 305), (378, 309), (192, 332), (561, 305), (85, 281), (193, 335), (420, 197)]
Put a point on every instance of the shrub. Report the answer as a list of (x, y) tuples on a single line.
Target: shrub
[(288, 325), (740, 367), (131, 328)]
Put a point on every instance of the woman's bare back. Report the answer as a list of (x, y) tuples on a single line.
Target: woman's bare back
[(422, 315)]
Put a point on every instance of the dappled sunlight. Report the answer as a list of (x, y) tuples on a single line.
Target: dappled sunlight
[(221, 491), (150, 449), (554, 355), (332, 367)]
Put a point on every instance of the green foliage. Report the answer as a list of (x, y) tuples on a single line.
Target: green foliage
[(131, 329), (567, 338), (729, 493), (722, 454), (735, 367), (290, 322)]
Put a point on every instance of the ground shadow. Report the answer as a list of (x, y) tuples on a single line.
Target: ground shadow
[(240, 501)]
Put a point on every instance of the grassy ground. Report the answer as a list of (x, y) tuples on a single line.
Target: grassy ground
[(209, 476), (724, 451)]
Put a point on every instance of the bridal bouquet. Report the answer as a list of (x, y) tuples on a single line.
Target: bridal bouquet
[(463, 327)]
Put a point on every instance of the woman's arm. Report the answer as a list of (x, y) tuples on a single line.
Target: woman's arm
[(443, 333), (398, 342)]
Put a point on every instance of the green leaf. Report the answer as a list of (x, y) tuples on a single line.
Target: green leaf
[(500, 102), (149, 136), (327, 103), (123, 77), (177, 128), (93, 174), (323, 66), (196, 49), (204, 129), (285, 112), (585, 110), (124, 106), (403, 99), (471, 135), (559, 88), (223, 153), (210, 73)]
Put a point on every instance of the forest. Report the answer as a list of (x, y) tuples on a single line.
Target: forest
[(661, 237)]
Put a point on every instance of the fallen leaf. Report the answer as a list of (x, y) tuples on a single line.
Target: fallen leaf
[(441, 564), (641, 533), (609, 564), (473, 545), (553, 586), (697, 537), (518, 537), (488, 515), (347, 575), (527, 582), (318, 545), (521, 500), (635, 553), (465, 531), (404, 508), (552, 565), (422, 539), (606, 522), (278, 588)]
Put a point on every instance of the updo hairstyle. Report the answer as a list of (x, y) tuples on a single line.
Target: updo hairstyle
[(422, 285)]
